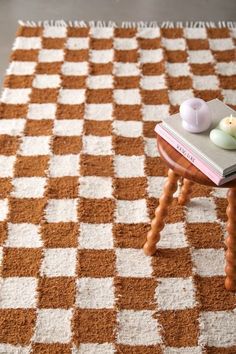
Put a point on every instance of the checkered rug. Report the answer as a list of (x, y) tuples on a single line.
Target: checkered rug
[(80, 179)]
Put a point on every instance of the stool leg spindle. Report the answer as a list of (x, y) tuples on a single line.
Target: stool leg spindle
[(158, 222), (185, 192), (230, 269)]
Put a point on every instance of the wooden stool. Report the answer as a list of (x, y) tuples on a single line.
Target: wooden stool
[(181, 169)]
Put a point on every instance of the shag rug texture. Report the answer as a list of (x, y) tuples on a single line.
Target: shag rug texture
[(80, 179)]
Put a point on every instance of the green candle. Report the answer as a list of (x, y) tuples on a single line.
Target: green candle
[(224, 135), (222, 139)]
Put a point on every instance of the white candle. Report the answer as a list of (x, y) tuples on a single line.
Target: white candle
[(195, 114), (228, 125)]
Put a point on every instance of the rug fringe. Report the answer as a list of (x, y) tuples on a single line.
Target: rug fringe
[(130, 24)]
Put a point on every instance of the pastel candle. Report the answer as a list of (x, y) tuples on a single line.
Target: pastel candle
[(224, 135), (195, 114), (228, 125), (222, 139)]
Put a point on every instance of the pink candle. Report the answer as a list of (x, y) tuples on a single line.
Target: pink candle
[(195, 114)]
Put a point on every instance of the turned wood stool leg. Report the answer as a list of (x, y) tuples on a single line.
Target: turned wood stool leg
[(158, 223), (230, 269), (185, 192)]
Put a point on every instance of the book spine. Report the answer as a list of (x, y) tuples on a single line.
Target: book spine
[(188, 155)]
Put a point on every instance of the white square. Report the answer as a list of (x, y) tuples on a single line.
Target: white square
[(178, 69), (126, 69), (96, 236), (21, 68), (74, 43), (175, 294), (71, 96), (155, 186), (97, 145), (64, 165), (174, 44), (6, 165), (217, 329), (12, 127), (153, 82), (35, 145), (125, 43), (101, 32), (101, 56), (233, 32), (148, 32), (132, 262), (150, 147), (200, 56), (14, 349), (129, 129), (3, 209), (201, 210), (77, 69), (40, 111), (46, 81), (226, 69), (221, 44), (178, 96), (53, 326), (131, 211), (50, 55), (138, 328), (155, 112), (208, 262), (55, 31), (59, 262), (27, 43), (128, 96), (209, 82), (100, 81), (94, 348), (229, 96), (28, 187), (129, 166), (18, 292), (16, 96), (99, 111), (173, 236), (195, 33), (95, 293), (61, 210), (23, 235), (95, 187), (219, 192), (68, 127), (151, 56)]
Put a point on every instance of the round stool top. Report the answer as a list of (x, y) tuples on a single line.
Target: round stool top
[(183, 167)]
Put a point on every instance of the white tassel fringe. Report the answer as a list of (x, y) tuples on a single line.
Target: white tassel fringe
[(130, 24)]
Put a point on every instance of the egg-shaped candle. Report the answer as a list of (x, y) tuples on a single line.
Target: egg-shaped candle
[(224, 135), (195, 114), (228, 125)]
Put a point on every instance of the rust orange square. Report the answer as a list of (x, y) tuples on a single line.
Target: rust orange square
[(63, 145), (21, 262)]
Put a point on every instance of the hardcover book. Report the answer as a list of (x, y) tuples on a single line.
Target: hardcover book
[(195, 160), (220, 162)]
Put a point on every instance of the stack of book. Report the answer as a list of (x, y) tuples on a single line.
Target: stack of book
[(216, 163)]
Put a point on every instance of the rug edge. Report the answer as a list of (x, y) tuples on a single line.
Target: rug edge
[(131, 24)]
